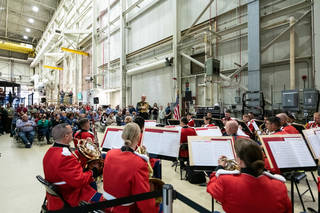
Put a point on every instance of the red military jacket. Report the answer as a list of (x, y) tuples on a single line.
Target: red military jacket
[(82, 134), (125, 173), (244, 193), (290, 129), (312, 124), (191, 123), (185, 132), (63, 169)]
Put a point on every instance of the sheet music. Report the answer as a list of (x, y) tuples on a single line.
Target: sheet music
[(207, 153), (291, 153), (315, 144), (164, 143), (113, 140), (209, 132), (302, 152), (150, 123)]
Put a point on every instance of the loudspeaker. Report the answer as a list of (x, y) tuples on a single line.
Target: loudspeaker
[(43, 100), (188, 96), (96, 100)]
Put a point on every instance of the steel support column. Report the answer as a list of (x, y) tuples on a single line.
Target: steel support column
[(94, 42), (316, 27), (176, 55), (123, 62), (254, 81)]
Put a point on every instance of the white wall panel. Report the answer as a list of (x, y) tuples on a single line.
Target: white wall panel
[(156, 85)]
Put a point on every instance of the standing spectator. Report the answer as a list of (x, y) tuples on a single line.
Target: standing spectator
[(70, 94), (2, 96), (162, 115), (143, 108), (26, 130), (155, 112), (62, 94), (168, 114)]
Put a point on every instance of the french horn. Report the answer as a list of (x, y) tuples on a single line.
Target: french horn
[(92, 152)]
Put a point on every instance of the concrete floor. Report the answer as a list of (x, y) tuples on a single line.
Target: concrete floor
[(21, 192)]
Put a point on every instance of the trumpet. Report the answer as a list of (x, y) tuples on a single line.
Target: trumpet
[(230, 164), (155, 183)]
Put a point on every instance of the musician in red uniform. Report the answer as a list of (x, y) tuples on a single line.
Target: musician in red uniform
[(190, 120), (63, 169), (315, 123), (126, 173), (84, 132), (273, 124), (208, 122), (185, 132), (227, 117), (249, 190), (285, 126)]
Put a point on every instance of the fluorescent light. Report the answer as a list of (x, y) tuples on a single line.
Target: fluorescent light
[(28, 30), (25, 37), (31, 20), (35, 9)]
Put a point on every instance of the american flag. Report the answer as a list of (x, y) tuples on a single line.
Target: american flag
[(176, 113)]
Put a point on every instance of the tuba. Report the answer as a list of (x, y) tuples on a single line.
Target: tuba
[(155, 183), (230, 164), (91, 151)]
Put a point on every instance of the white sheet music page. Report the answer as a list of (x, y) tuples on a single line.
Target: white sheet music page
[(315, 144), (207, 153), (317, 132), (301, 151), (150, 123), (113, 140), (209, 132), (291, 153), (162, 143), (169, 144), (283, 154)]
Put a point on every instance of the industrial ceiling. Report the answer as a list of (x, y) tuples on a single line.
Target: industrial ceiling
[(24, 21)]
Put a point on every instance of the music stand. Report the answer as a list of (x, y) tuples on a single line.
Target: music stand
[(289, 144)]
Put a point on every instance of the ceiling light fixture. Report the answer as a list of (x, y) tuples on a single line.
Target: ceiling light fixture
[(25, 37), (35, 9), (28, 30), (31, 20)]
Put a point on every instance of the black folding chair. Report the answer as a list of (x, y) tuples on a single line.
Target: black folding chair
[(52, 190)]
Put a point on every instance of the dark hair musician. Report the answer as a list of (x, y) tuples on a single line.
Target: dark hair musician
[(249, 190)]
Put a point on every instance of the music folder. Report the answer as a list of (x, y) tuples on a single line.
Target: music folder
[(163, 143), (287, 152), (208, 131), (204, 151), (112, 138), (313, 139)]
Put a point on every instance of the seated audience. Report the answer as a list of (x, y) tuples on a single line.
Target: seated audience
[(43, 128), (26, 130)]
